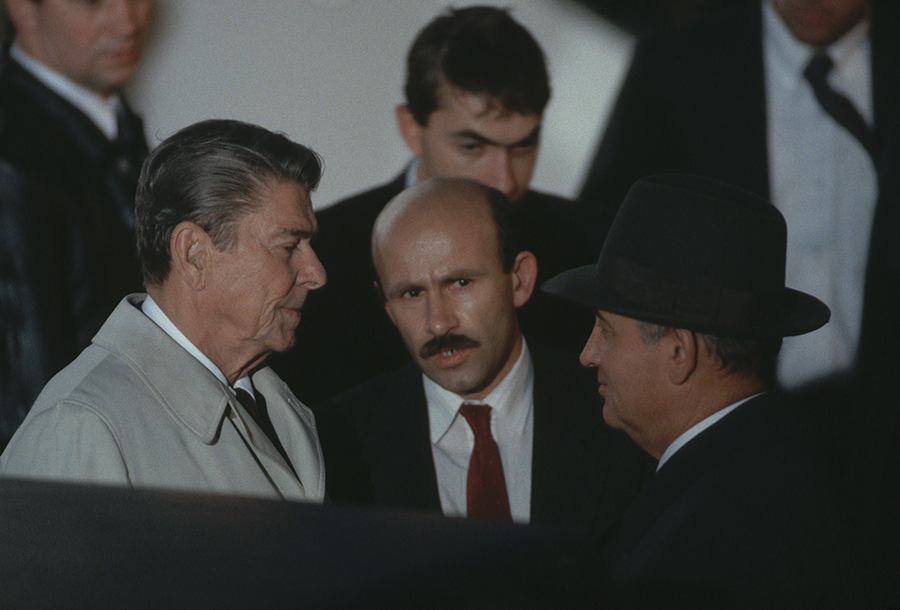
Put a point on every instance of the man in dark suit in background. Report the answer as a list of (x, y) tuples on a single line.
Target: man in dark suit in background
[(71, 150), (750, 96), (691, 308), (483, 422), (476, 89)]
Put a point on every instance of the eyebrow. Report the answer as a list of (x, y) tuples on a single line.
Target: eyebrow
[(442, 281), (530, 140), (400, 289)]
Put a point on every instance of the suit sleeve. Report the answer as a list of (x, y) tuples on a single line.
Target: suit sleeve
[(638, 140), (26, 352)]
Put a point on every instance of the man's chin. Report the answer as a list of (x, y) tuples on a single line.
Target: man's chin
[(287, 342), (609, 416)]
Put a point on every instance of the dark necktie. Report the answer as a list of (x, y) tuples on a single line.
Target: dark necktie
[(839, 107), (255, 406), (485, 486)]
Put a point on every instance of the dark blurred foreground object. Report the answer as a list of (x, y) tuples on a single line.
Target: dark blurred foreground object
[(64, 545)]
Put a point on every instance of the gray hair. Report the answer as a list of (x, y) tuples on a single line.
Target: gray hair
[(750, 357), (211, 173)]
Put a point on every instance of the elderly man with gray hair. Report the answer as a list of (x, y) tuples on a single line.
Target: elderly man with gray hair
[(173, 392)]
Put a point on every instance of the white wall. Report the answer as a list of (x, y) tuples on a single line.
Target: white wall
[(329, 73)]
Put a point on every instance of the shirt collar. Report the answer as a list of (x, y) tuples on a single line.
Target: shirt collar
[(696, 429), (155, 313), (102, 111), (411, 174), (793, 55), (506, 400)]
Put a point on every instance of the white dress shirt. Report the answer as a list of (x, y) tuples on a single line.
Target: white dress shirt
[(102, 111), (824, 182), (512, 426), (153, 311)]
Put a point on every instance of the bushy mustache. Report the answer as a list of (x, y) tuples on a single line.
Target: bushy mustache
[(446, 342)]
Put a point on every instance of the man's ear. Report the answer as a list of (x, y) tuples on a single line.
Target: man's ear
[(410, 130), (384, 303), (524, 275), (191, 249), (682, 356)]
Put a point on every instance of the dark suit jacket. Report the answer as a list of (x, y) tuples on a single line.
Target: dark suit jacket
[(345, 337), (67, 253), (694, 102), (376, 441), (744, 515)]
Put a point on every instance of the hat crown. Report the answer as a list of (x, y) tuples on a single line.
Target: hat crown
[(689, 229), (699, 254)]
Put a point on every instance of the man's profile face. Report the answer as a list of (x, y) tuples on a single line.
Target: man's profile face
[(470, 136), (629, 371), (257, 286), (449, 297), (820, 22), (96, 43)]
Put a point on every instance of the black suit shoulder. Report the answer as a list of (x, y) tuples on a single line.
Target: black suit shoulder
[(376, 444), (746, 515), (366, 204)]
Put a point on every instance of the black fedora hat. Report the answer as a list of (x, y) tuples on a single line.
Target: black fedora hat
[(699, 254)]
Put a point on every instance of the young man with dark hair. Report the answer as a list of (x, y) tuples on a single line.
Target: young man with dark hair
[(476, 89)]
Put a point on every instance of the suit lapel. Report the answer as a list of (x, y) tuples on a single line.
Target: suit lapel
[(564, 480), (406, 466)]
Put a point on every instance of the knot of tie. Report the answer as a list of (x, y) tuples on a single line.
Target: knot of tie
[(486, 494), (818, 68), (247, 401)]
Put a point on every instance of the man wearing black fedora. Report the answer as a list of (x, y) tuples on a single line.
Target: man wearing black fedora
[(691, 308)]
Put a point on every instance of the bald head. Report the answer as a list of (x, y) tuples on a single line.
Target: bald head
[(435, 203), (452, 281)]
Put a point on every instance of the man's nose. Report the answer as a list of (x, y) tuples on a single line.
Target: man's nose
[(127, 16), (590, 354), (500, 174), (310, 273), (441, 319)]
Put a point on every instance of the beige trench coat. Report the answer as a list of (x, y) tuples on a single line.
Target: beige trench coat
[(136, 409)]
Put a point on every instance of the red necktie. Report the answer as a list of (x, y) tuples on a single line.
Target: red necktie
[(485, 487)]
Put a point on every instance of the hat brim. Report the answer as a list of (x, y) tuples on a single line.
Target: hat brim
[(801, 313)]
